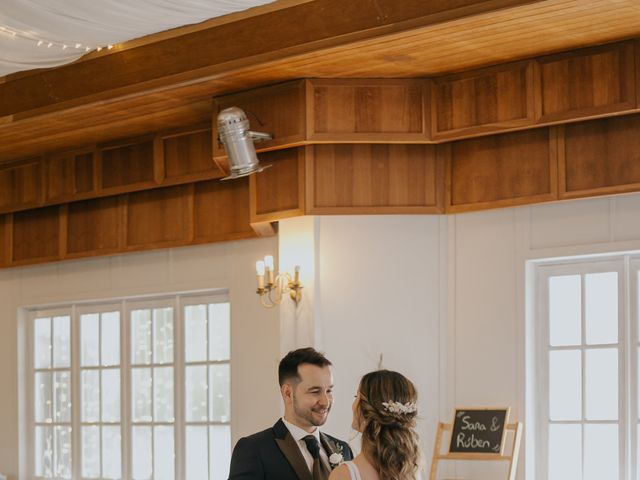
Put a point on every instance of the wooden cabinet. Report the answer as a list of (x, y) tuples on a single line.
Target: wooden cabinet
[(543, 129), (600, 157), (589, 82), (502, 170), (484, 101)]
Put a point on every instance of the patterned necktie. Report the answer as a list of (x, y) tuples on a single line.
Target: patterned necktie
[(318, 470)]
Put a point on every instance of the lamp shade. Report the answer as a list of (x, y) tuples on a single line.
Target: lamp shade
[(237, 139)]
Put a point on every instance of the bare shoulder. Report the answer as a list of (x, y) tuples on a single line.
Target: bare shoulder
[(340, 473)]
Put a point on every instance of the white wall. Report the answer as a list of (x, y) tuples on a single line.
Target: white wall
[(380, 290), (489, 253), (255, 338), (443, 298)]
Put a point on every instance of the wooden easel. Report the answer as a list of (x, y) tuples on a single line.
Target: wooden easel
[(512, 457)]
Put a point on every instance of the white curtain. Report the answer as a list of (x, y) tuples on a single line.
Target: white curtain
[(47, 33)]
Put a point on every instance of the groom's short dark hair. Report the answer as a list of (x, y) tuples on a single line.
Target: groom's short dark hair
[(288, 367)]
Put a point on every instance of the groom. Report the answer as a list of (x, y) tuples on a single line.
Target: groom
[(294, 448)]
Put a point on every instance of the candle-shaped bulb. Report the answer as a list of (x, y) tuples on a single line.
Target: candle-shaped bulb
[(260, 275), (268, 262), (296, 274)]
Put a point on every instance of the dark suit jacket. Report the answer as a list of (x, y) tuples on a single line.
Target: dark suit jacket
[(273, 454)]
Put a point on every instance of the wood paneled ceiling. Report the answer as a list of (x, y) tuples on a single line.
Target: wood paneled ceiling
[(168, 80)]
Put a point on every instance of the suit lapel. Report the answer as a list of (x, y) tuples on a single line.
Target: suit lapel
[(329, 445), (291, 451)]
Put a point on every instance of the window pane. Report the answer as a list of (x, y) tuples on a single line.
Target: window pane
[(196, 393), (141, 453), (42, 343), (141, 394), (601, 384), (62, 397), (90, 334), (220, 451), (163, 458), (61, 341), (44, 452), (219, 331), (43, 397), (219, 384), (110, 395), (110, 338), (91, 452), (564, 310), (601, 452), (565, 452), (565, 385), (197, 453), (195, 331), (90, 396), (141, 336), (111, 455), (601, 300), (163, 394), (163, 335), (62, 455)]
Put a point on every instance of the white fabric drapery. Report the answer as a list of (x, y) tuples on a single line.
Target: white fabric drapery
[(47, 33)]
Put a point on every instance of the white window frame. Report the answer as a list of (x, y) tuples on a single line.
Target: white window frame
[(628, 268), (124, 305), (30, 377)]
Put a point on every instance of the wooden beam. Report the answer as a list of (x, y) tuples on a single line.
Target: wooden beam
[(205, 53)]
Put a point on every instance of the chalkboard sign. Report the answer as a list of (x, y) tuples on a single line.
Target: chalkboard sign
[(478, 430)]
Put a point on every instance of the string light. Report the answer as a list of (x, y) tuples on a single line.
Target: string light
[(50, 43)]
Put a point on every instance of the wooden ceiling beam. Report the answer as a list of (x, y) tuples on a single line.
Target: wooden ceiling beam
[(201, 54)]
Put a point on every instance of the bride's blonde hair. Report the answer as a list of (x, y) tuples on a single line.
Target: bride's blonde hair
[(387, 414)]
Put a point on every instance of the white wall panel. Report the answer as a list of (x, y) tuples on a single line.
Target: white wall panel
[(79, 276), (485, 316), (625, 223), (577, 222), (146, 269), (380, 286)]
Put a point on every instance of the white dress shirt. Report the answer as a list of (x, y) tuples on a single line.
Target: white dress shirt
[(298, 434)]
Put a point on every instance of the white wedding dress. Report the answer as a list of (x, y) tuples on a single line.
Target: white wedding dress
[(353, 471)]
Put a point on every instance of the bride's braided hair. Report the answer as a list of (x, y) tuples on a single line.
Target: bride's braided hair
[(389, 439)]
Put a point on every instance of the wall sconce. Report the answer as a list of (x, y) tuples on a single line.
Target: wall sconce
[(237, 140), (272, 288)]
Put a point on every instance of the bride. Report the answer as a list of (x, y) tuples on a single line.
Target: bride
[(384, 411)]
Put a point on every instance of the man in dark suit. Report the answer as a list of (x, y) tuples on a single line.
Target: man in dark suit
[(295, 449)]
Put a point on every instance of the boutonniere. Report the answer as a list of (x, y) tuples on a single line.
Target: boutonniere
[(336, 457)]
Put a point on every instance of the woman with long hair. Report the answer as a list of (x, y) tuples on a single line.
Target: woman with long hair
[(384, 412)]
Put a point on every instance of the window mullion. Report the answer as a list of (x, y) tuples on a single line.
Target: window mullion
[(583, 366), (76, 395), (633, 344), (125, 392), (624, 399), (31, 394), (179, 389), (209, 388), (153, 390)]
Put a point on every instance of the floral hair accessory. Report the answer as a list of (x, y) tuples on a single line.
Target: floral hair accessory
[(397, 407)]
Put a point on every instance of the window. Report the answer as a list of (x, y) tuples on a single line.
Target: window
[(586, 370), (133, 389)]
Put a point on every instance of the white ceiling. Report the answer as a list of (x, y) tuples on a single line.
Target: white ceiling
[(47, 33)]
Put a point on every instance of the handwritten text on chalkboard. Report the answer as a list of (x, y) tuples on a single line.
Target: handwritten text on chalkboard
[(478, 430)]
